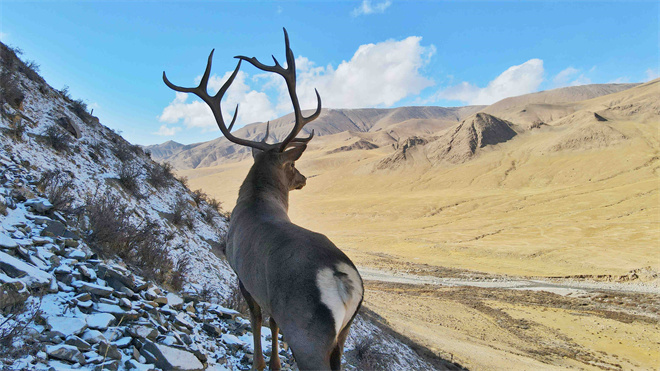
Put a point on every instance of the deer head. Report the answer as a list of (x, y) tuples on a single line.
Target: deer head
[(280, 157)]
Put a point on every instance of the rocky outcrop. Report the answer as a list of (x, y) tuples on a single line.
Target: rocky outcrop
[(360, 144), (474, 133)]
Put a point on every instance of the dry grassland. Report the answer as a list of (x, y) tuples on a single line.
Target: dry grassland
[(520, 208)]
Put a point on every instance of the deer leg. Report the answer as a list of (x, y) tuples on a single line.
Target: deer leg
[(274, 363), (258, 362)]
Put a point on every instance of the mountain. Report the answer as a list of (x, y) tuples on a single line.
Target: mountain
[(387, 126), (391, 123), (532, 110)]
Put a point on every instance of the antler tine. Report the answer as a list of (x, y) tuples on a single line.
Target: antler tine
[(214, 103), (289, 75)]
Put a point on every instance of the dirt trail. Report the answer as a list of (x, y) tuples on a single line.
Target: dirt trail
[(558, 286), (490, 322)]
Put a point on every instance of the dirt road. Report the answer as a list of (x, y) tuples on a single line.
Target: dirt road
[(502, 323)]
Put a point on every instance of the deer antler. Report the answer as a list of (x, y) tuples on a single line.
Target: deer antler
[(289, 75), (214, 103)]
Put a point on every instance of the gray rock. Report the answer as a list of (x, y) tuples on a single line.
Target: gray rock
[(29, 274), (56, 228), (66, 353), (170, 358), (109, 350), (143, 332), (100, 321), (7, 242), (117, 276), (77, 342), (93, 288), (40, 205), (123, 342), (93, 336), (212, 330), (112, 365), (132, 364), (174, 301), (66, 326)]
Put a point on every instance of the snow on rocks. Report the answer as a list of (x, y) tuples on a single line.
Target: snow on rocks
[(97, 314), (66, 326)]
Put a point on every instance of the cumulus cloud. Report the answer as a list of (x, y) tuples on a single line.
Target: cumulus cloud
[(378, 75), (167, 132), (516, 80), (571, 77), (367, 8), (254, 105)]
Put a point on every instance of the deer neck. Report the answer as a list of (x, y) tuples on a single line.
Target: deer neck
[(264, 190)]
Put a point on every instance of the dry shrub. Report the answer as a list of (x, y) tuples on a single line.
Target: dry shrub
[(178, 277), (183, 180), (16, 130), (58, 186), (199, 196), (79, 107), (181, 214), (17, 315), (3, 207), (160, 175), (129, 172), (236, 301), (111, 231), (122, 151), (368, 357), (9, 90), (57, 138)]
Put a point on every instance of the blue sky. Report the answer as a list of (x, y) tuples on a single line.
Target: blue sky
[(357, 53)]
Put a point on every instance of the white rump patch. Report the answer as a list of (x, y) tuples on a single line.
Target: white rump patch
[(340, 292)]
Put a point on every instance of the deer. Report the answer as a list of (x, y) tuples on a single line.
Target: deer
[(307, 286)]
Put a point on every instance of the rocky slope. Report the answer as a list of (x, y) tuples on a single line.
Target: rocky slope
[(527, 111), (109, 262), (331, 121)]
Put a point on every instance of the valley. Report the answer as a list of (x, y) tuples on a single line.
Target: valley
[(574, 197)]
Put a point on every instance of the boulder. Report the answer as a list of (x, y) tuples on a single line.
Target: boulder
[(109, 350), (77, 342), (169, 358), (66, 353), (93, 288), (66, 326), (100, 321), (7, 242), (29, 274)]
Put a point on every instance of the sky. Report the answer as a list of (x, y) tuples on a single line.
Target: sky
[(358, 54)]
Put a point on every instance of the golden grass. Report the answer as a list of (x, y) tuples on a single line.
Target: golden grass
[(517, 209)]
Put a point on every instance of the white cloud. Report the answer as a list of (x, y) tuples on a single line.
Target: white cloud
[(620, 80), (254, 105), (367, 8), (167, 132), (652, 74), (571, 77), (516, 80), (3, 36), (378, 75)]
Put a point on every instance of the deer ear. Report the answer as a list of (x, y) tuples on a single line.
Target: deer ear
[(255, 152), (294, 153)]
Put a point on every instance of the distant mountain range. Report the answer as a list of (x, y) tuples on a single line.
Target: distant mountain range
[(378, 127)]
